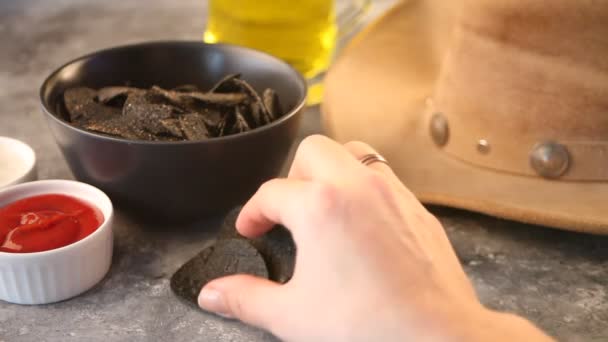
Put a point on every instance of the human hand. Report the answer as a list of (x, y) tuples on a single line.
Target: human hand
[(373, 264)]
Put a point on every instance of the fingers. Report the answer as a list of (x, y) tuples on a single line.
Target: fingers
[(360, 149), (278, 201), (253, 300), (322, 159), (318, 160)]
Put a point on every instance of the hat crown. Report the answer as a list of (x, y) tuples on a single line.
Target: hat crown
[(522, 73)]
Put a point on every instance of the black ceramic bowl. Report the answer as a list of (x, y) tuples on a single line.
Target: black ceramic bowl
[(177, 181)]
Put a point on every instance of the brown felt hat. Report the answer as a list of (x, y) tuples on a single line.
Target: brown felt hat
[(499, 107)]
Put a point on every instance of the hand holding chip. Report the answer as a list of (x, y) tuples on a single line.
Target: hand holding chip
[(372, 265)]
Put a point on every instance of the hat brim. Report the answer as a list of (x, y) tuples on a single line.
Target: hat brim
[(377, 92)]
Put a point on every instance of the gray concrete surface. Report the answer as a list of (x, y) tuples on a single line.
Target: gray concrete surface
[(557, 279)]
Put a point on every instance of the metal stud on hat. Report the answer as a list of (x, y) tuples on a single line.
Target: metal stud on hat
[(550, 159), (439, 129)]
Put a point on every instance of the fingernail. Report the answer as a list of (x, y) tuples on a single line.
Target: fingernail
[(214, 301)]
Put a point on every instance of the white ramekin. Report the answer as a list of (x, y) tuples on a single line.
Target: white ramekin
[(27, 157), (62, 273)]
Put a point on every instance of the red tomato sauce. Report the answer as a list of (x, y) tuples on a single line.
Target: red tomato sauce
[(46, 222)]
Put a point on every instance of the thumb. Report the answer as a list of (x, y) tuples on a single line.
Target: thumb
[(253, 300)]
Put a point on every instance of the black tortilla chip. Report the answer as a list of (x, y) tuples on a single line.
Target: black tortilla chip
[(226, 257), (226, 84), (76, 98), (212, 117), (115, 96), (183, 99), (271, 101), (240, 124), (216, 99), (193, 126), (174, 127), (276, 246), (225, 125), (148, 116), (186, 88), (160, 95), (82, 107), (116, 126)]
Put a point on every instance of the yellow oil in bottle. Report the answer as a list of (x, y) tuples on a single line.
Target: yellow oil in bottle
[(301, 32)]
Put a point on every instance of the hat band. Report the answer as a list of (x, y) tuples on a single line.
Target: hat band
[(570, 160)]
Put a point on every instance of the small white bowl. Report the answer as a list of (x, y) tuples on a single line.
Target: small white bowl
[(62, 273), (17, 162)]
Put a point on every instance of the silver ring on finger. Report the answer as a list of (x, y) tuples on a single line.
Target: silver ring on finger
[(371, 158)]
